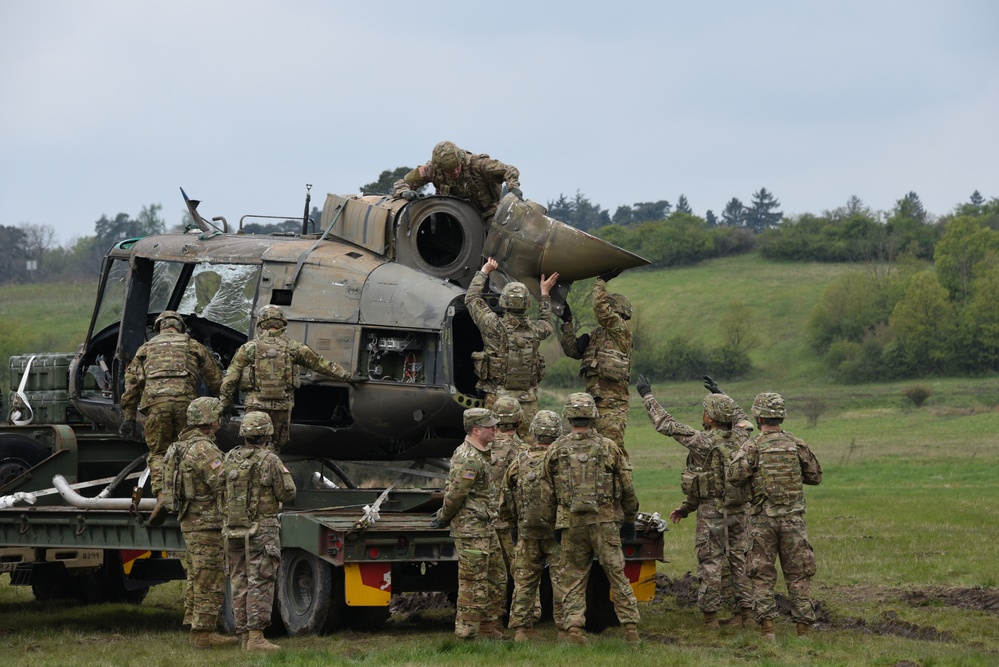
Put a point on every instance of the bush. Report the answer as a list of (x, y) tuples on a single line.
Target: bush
[(813, 408), (917, 394)]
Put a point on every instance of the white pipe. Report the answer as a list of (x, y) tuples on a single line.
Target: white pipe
[(76, 500)]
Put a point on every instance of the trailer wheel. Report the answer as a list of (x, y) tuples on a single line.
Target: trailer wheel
[(18, 454), (309, 593)]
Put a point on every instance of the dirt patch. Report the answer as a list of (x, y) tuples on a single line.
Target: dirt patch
[(411, 603), (683, 589), (981, 599), (888, 623)]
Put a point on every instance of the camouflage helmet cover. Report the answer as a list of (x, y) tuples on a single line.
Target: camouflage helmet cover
[(271, 317), (256, 424), (446, 156), (170, 318), (720, 407), (580, 406), (478, 417), (203, 411), (515, 297), (508, 410), (621, 305), (547, 424), (769, 405)]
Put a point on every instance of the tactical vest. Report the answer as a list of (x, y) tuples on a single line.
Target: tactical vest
[(583, 470), (533, 495), (178, 483), (779, 475), (165, 366), (603, 359), (242, 488), (518, 365), (274, 371), (715, 468)]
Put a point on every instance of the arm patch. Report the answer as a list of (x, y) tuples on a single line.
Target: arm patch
[(468, 474)]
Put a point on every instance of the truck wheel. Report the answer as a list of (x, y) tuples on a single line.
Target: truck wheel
[(18, 454), (107, 584), (600, 613), (309, 593)]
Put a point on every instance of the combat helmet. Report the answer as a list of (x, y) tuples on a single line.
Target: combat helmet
[(508, 410), (769, 406), (446, 156), (170, 318), (256, 424), (515, 297), (720, 407), (621, 305), (271, 317), (580, 406), (203, 411), (547, 424)]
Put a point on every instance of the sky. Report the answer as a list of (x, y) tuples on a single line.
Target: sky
[(108, 106)]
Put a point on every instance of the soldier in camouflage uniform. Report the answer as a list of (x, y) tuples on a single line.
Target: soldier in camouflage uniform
[(256, 483), (470, 510), (503, 450), (528, 502), (459, 173), (722, 531), (591, 477), (199, 491), (606, 357), (266, 368), (160, 382), (775, 465), (510, 360)]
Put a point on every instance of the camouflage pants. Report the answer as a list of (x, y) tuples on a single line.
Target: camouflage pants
[(783, 537), (530, 409), (164, 422), (579, 547), (530, 557), (252, 576), (281, 420), (205, 578), (481, 583), (722, 545), (612, 420)]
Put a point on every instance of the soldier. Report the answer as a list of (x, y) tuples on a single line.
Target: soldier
[(198, 489), (606, 357), (510, 360), (722, 532), (590, 475), (470, 510), (775, 465), (459, 173), (503, 450), (528, 502), (160, 382), (267, 369), (256, 483)]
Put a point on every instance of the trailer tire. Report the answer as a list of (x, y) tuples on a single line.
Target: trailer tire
[(18, 454), (309, 593)]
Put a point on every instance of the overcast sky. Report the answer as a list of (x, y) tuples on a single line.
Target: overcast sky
[(109, 106)]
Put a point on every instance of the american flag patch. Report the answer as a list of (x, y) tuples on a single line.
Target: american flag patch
[(468, 474), (216, 463)]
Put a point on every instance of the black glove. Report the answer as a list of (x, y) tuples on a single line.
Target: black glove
[(355, 380), (558, 536), (516, 192), (566, 314), (711, 385), (610, 275), (643, 386), (628, 532), (582, 343), (409, 195), (514, 534), (129, 430)]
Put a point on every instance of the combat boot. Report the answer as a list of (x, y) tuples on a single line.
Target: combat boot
[(767, 630), (577, 636), (803, 630), (711, 621), (491, 630), (563, 637), (631, 633), (242, 640), (523, 635), (746, 613), (255, 642), (209, 639), (158, 515)]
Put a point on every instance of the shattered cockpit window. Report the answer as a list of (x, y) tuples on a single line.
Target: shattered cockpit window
[(222, 293)]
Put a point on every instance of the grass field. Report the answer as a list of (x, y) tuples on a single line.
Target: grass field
[(905, 524)]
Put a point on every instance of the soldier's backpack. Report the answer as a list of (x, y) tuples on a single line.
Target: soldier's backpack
[(715, 470), (533, 497), (522, 363), (585, 468), (177, 485), (274, 371), (779, 477), (242, 488)]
